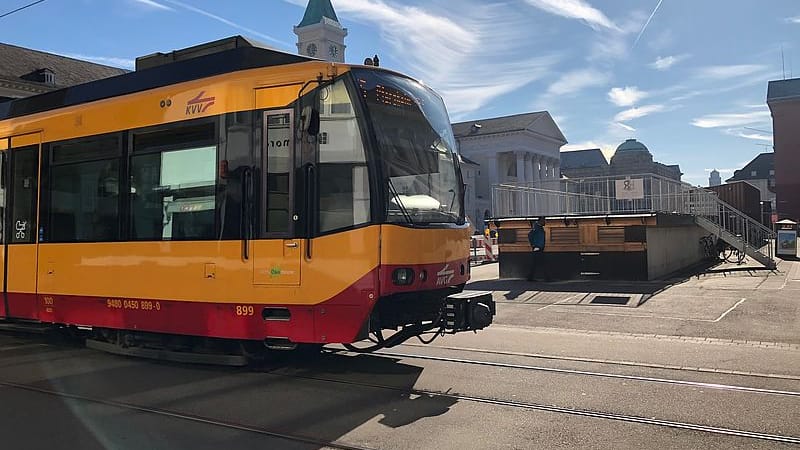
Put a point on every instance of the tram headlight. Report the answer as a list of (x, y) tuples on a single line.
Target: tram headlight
[(403, 276)]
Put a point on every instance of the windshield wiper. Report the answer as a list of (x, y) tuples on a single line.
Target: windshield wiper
[(393, 191)]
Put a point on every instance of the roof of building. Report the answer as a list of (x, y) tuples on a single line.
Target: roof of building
[(23, 64), (761, 165), (507, 124), (783, 90), (239, 57), (316, 11), (631, 145), (464, 160), (581, 159)]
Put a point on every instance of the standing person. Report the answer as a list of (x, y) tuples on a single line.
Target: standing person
[(536, 238)]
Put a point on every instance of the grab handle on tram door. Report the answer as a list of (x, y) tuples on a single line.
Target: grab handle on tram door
[(247, 211), (311, 207)]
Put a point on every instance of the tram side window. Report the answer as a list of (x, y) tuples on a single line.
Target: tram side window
[(343, 182), (23, 190), (84, 190), (173, 191)]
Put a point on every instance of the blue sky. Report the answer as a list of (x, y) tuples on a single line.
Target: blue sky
[(686, 77)]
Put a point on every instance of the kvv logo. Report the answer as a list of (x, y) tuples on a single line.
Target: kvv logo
[(444, 276), (199, 104)]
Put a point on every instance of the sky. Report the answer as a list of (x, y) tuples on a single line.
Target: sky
[(687, 78)]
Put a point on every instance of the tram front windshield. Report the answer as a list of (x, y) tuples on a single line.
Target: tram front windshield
[(417, 149)]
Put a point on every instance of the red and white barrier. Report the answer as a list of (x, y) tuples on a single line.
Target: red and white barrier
[(483, 249)]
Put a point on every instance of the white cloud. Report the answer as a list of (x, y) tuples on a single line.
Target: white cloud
[(153, 4), (427, 44), (667, 61), (731, 120), (795, 19), (638, 112), (756, 137), (575, 9), (625, 127), (627, 96), (644, 27), (749, 134), (231, 24), (576, 81), (727, 72), (124, 63)]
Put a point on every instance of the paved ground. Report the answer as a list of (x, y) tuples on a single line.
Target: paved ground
[(556, 370)]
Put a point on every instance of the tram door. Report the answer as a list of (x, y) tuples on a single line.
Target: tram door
[(4, 145), (278, 258), (20, 225)]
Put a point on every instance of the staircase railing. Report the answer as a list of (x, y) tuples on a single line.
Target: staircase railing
[(733, 226), (718, 217)]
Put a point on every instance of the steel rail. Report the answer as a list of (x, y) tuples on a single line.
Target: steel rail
[(741, 373), (564, 410), (698, 384), (187, 417)]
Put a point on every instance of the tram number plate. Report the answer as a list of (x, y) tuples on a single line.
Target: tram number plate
[(141, 305), (245, 310)]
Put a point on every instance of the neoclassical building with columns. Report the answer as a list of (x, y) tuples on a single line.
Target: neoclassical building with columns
[(523, 148)]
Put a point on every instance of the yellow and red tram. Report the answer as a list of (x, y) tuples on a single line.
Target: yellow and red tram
[(241, 194)]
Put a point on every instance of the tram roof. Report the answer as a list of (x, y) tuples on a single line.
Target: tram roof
[(237, 54)]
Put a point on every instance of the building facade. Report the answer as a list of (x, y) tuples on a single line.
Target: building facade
[(631, 158), (783, 98), (523, 148), (760, 173), (25, 72), (319, 34), (714, 179)]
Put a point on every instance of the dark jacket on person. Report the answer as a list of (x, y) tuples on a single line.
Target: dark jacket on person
[(536, 236)]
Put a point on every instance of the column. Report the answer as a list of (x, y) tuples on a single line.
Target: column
[(520, 167), (493, 178), (528, 173), (542, 168)]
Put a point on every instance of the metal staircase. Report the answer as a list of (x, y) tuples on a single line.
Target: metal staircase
[(733, 226), (598, 196)]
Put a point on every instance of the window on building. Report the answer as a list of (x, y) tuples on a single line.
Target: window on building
[(753, 173), (84, 190), (173, 183), (772, 173), (323, 138), (343, 182)]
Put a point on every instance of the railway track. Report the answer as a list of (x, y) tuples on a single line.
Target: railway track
[(609, 362), (532, 406), (562, 410), (697, 384), (188, 417)]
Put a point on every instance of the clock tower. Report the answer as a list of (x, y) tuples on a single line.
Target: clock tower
[(319, 34)]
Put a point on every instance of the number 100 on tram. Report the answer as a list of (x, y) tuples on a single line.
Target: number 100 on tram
[(244, 194)]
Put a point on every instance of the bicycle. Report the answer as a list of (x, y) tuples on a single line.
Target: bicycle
[(709, 246)]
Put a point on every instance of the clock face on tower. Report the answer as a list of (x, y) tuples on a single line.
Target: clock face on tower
[(333, 51), (311, 49)]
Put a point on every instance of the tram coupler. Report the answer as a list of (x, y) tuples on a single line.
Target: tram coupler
[(469, 311)]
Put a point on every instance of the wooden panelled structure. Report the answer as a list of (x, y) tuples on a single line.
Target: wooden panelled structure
[(605, 247)]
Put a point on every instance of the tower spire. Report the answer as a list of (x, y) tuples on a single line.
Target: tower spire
[(319, 34), (316, 11)]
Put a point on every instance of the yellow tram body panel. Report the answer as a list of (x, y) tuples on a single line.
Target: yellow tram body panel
[(251, 89)]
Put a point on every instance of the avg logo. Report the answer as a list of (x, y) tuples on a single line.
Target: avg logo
[(199, 104)]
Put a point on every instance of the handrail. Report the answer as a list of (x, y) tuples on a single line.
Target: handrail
[(599, 196)]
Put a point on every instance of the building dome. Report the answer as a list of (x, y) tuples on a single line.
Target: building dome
[(631, 146)]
